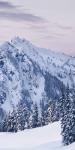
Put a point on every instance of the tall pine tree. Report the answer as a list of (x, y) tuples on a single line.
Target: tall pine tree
[(35, 116), (66, 120)]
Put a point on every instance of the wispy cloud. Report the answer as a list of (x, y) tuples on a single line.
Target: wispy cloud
[(54, 36), (17, 16), (64, 27), (6, 5)]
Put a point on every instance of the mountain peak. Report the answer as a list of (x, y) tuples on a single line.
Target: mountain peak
[(19, 40)]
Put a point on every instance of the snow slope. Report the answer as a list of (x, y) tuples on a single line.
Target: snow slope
[(44, 138)]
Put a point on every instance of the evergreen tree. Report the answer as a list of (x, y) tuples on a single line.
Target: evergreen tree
[(26, 115), (35, 115), (73, 114), (66, 121), (12, 122), (20, 118), (62, 107), (4, 124), (48, 112), (23, 115), (42, 110)]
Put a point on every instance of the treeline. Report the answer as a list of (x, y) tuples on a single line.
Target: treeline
[(24, 117)]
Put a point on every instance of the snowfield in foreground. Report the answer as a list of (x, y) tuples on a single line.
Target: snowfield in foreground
[(44, 138)]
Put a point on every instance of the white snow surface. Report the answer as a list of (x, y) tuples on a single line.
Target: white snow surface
[(43, 138)]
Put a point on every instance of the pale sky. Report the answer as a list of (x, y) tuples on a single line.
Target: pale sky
[(46, 23)]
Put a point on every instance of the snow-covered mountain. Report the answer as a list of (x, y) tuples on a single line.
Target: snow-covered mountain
[(31, 73)]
